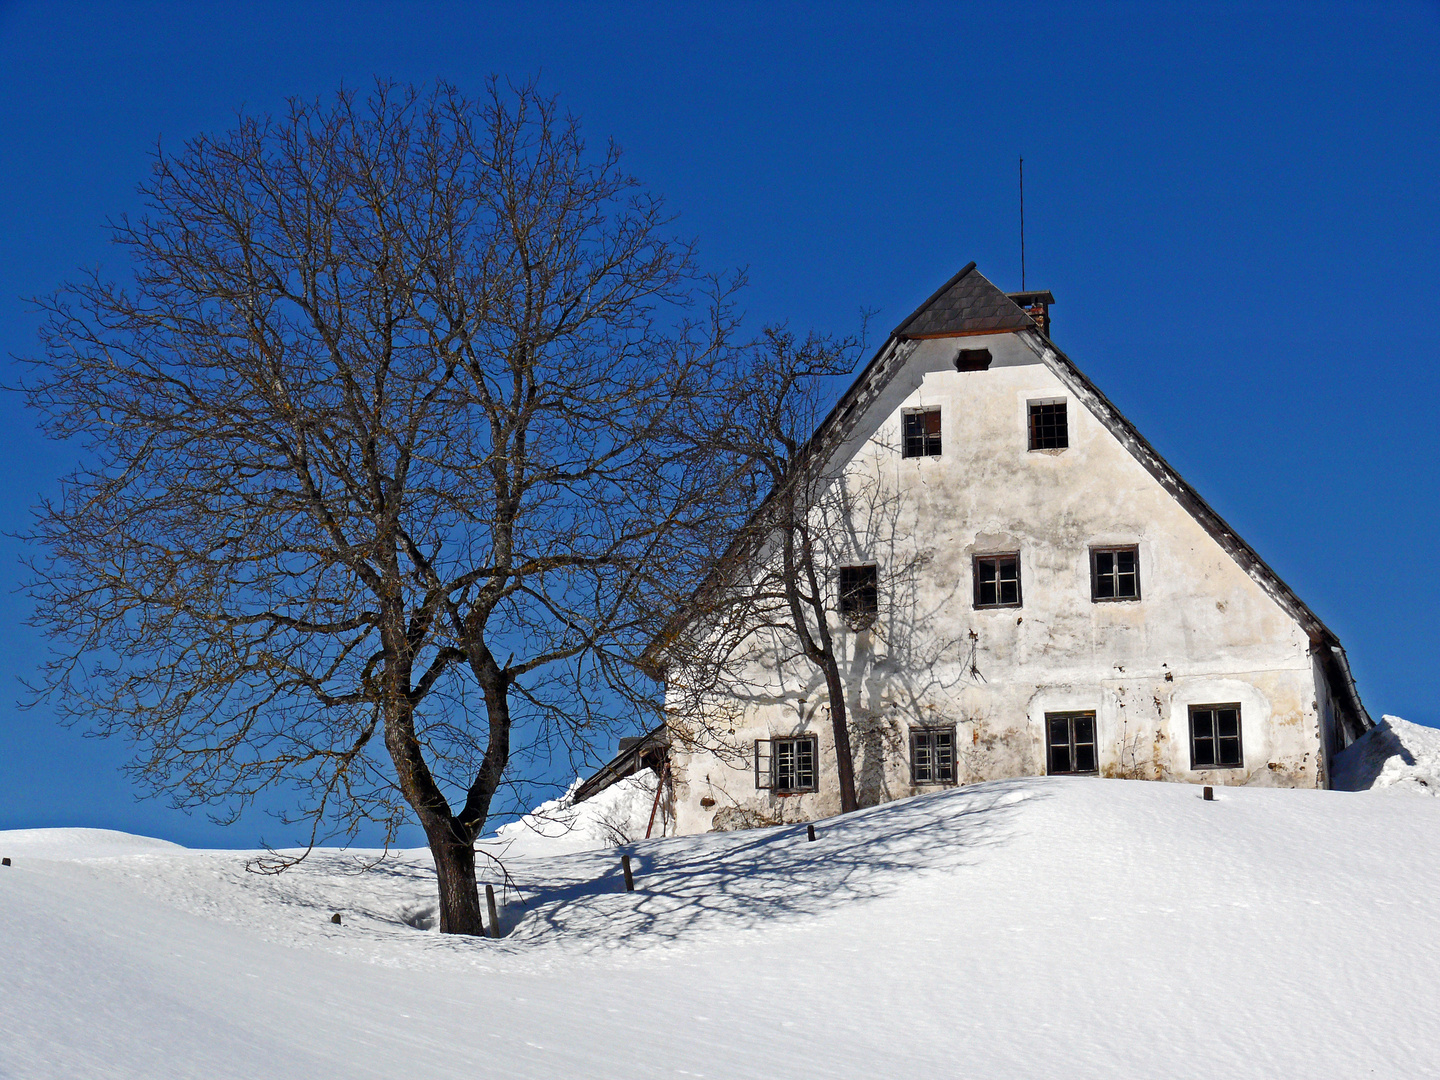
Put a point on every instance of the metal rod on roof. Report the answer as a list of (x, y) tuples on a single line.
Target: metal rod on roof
[(1022, 224)]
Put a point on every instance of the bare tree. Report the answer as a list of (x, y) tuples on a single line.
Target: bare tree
[(376, 445), (772, 596)]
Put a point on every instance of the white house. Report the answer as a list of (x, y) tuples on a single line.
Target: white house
[(1043, 594)]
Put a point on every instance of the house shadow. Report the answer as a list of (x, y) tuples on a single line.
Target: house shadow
[(687, 886)]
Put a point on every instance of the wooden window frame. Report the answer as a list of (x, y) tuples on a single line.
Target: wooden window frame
[(1215, 738), (1070, 717), (767, 764), (858, 601), (997, 558), (922, 443), (1095, 575), (930, 734), (1057, 437)]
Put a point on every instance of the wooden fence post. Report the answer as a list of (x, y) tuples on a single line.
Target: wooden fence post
[(810, 832), (494, 915), (629, 877), (1209, 794)]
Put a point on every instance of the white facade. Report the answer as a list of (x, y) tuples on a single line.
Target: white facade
[(1204, 631)]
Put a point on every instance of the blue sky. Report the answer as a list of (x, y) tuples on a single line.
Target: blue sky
[(1237, 208)]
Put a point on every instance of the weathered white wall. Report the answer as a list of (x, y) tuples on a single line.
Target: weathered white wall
[(1203, 632)]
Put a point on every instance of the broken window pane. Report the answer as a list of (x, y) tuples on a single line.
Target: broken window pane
[(1048, 427), (920, 433), (859, 595), (997, 581)]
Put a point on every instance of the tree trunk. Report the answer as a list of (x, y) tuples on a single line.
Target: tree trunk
[(839, 722), (455, 870)]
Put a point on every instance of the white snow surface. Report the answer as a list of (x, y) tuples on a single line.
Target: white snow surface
[(1396, 755), (1028, 928), (618, 815)]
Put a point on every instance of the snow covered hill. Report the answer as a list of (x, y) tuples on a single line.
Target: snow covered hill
[(1030, 928)]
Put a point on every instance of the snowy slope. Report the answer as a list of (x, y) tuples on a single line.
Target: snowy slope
[(1029, 928)]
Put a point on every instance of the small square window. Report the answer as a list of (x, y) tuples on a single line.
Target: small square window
[(859, 595), (1048, 427), (920, 433), (1115, 573), (786, 766), (1070, 743), (932, 755), (1215, 737), (997, 580)]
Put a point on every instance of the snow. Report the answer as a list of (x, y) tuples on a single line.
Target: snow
[(618, 815), (1396, 755), (1026, 928)]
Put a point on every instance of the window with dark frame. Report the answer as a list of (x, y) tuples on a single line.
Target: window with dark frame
[(1215, 737), (786, 766), (859, 595), (1070, 744), (920, 433), (997, 580), (1115, 573), (932, 755), (1048, 427)]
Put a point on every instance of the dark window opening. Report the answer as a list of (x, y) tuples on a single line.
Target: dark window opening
[(972, 360), (1115, 573), (786, 766), (920, 431), (997, 581), (1215, 737), (1048, 428), (1070, 743), (932, 755), (859, 595)]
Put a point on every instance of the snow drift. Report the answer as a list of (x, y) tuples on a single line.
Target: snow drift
[(1038, 927)]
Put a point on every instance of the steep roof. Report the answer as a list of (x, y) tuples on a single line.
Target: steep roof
[(966, 304)]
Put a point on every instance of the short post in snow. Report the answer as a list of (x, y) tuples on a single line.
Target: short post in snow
[(335, 918), (629, 877), (5, 861), (1209, 794), (494, 915), (810, 833)]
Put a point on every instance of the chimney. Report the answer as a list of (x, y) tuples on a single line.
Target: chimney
[(1037, 306)]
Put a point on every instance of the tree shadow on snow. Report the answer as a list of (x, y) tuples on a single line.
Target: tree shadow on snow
[(746, 879)]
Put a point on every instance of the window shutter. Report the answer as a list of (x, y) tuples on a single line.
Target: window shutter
[(762, 765)]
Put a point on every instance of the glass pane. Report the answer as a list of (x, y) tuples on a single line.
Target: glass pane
[(1227, 723), (1060, 758), (1230, 752), (1084, 758), (1203, 724), (1009, 592), (1204, 752), (932, 422), (1125, 584), (1104, 562), (1084, 729)]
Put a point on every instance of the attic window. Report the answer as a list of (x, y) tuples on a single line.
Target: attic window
[(932, 755), (1048, 427), (972, 360), (859, 595), (1215, 737), (1115, 573), (920, 433), (786, 766), (997, 580)]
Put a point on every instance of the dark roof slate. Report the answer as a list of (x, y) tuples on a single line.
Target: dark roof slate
[(966, 304)]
